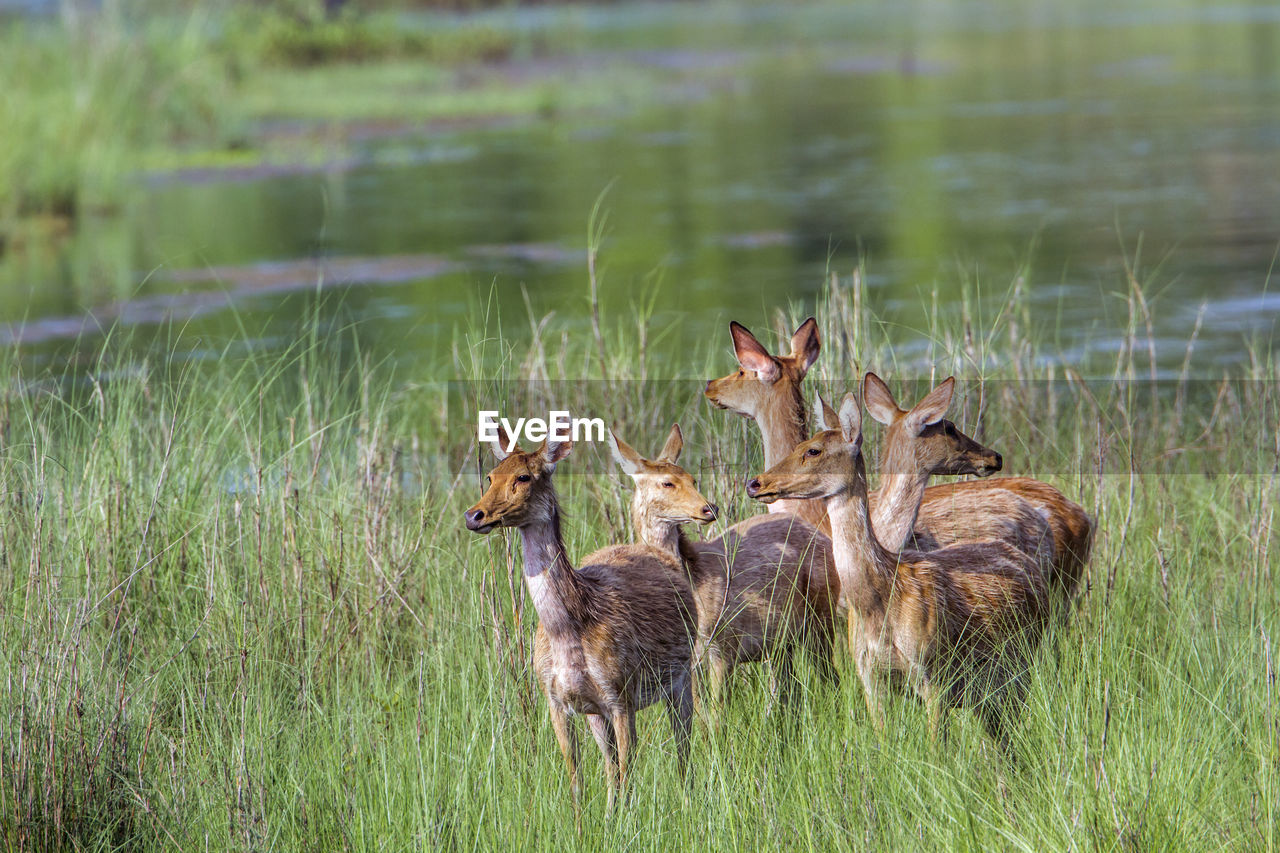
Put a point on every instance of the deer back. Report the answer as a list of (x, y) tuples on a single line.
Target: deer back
[(762, 581), (1071, 528)]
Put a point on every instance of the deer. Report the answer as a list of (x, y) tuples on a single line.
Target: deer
[(613, 637), (920, 442), (764, 589), (957, 626), (771, 396)]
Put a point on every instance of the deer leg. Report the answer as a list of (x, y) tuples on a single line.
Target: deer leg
[(680, 710), (782, 676), (786, 688), (717, 685), (939, 723), (999, 708), (821, 650), (995, 720), (873, 688), (698, 672), (719, 677), (929, 691), (624, 734), (567, 737), (602, 731)]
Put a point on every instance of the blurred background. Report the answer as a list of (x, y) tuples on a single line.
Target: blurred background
[(216, 168)]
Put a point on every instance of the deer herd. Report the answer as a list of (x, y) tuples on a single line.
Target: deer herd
[(945, 590)]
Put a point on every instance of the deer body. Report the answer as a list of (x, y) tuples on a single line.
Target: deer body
[(957, 626), (581, 664), (613, 637), (764, 589), (946, 518)]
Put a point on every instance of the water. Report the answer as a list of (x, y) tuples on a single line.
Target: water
[(940, 143)]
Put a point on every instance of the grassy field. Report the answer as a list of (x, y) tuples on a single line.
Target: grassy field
[(239, 609)]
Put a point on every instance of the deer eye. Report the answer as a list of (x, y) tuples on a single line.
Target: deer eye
[(813, 451), (668, 485), (523, 478)]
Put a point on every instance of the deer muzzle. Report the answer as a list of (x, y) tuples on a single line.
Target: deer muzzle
[(476, 520), (758, 491)]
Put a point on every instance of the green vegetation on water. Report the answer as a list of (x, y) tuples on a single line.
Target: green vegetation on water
[(90, 101), (81, 104), (239, 609)]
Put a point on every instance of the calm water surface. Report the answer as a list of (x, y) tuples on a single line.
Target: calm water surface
[(942, 144)]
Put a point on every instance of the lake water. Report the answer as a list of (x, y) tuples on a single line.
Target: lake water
[(939, 142)]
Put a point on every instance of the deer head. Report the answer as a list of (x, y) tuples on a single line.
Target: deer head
[(922, 440), (665, 492), (823, 466), (765, 383), (520, 490)]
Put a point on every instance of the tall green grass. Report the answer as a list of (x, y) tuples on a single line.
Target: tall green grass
[(85, 99), (238, 608), (91, 99), (282, 39)]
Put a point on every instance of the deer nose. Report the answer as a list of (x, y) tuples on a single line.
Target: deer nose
[(710, 511), (753, 487), (999, 463), (475, 518)]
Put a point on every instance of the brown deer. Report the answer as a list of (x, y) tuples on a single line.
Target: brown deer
[(958, 626), (763, 589), (921, 442), (945, 515), (613, 636)]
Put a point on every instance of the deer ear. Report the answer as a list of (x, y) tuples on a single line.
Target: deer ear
[(553, 451), (751, 353), (499, 447), (805, 344), (826, 416), (628, 460), (880, 402), (851, 419), (675, 443), (933, 407)]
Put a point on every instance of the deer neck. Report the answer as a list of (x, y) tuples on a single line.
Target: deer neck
[(550, 578), (653, 530), (902, 486), (782, 422), (783, 425), (866, 568), (693, 565), (665, 536)]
